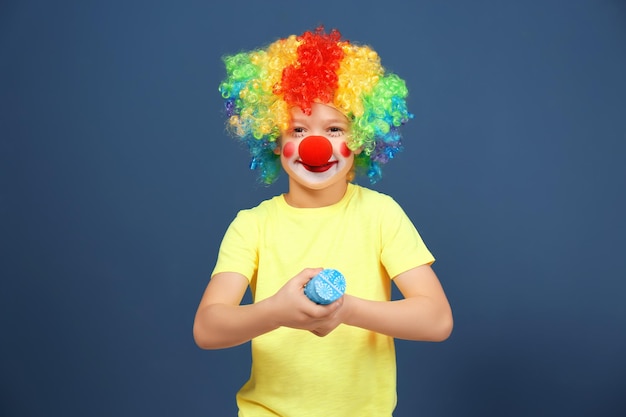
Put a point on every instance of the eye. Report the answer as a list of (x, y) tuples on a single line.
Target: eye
[(297, 132), (335, 131)]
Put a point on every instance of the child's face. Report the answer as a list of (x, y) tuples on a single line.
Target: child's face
[(313, 149)]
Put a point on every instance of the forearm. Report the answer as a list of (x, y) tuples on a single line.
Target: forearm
[(219, 326), (415, 318)]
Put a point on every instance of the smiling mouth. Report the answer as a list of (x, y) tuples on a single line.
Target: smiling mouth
[(318, 168)]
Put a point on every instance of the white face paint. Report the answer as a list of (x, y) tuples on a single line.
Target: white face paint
[(329, 123)]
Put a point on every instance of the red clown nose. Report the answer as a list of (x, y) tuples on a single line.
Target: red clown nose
[(315, 150)]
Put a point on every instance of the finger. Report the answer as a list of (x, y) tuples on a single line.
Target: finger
[(306, 274), (335, 305), (322, 312)]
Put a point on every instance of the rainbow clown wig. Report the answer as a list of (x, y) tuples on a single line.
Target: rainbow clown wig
[(262, 85)]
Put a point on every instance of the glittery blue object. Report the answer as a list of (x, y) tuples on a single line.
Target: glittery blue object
[(326, 287)]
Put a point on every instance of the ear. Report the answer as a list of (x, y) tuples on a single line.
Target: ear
[(277, 149)]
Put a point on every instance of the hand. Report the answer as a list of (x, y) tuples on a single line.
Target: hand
[(333, 320), (294, 309)]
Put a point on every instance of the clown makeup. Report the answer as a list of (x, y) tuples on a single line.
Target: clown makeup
[(314, 152), (263, 85)]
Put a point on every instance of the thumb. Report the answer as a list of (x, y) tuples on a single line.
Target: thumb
[(305, 276)]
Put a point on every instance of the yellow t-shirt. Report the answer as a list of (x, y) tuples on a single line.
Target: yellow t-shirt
[(350, 372)]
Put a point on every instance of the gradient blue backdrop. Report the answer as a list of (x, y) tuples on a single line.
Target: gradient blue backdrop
[(118, 181)]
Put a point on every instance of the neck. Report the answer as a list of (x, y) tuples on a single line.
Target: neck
[(303, 197)]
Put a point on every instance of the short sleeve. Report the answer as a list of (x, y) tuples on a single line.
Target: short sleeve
[(239, 248), (402, 246)]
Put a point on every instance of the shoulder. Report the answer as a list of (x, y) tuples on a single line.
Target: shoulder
[(373, 198), (261, 211)]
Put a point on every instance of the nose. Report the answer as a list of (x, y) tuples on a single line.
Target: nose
[(315, 150)]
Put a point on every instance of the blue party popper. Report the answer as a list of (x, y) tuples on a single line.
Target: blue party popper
[(326, 287)]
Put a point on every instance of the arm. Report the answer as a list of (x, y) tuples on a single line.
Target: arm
[(222, 322), (424, 313)]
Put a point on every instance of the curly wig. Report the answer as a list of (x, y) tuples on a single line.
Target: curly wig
[(262, 85)]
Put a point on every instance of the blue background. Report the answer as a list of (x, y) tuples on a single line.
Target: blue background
[(118, 182)]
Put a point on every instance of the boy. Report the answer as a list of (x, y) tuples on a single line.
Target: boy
[(324, 110)]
